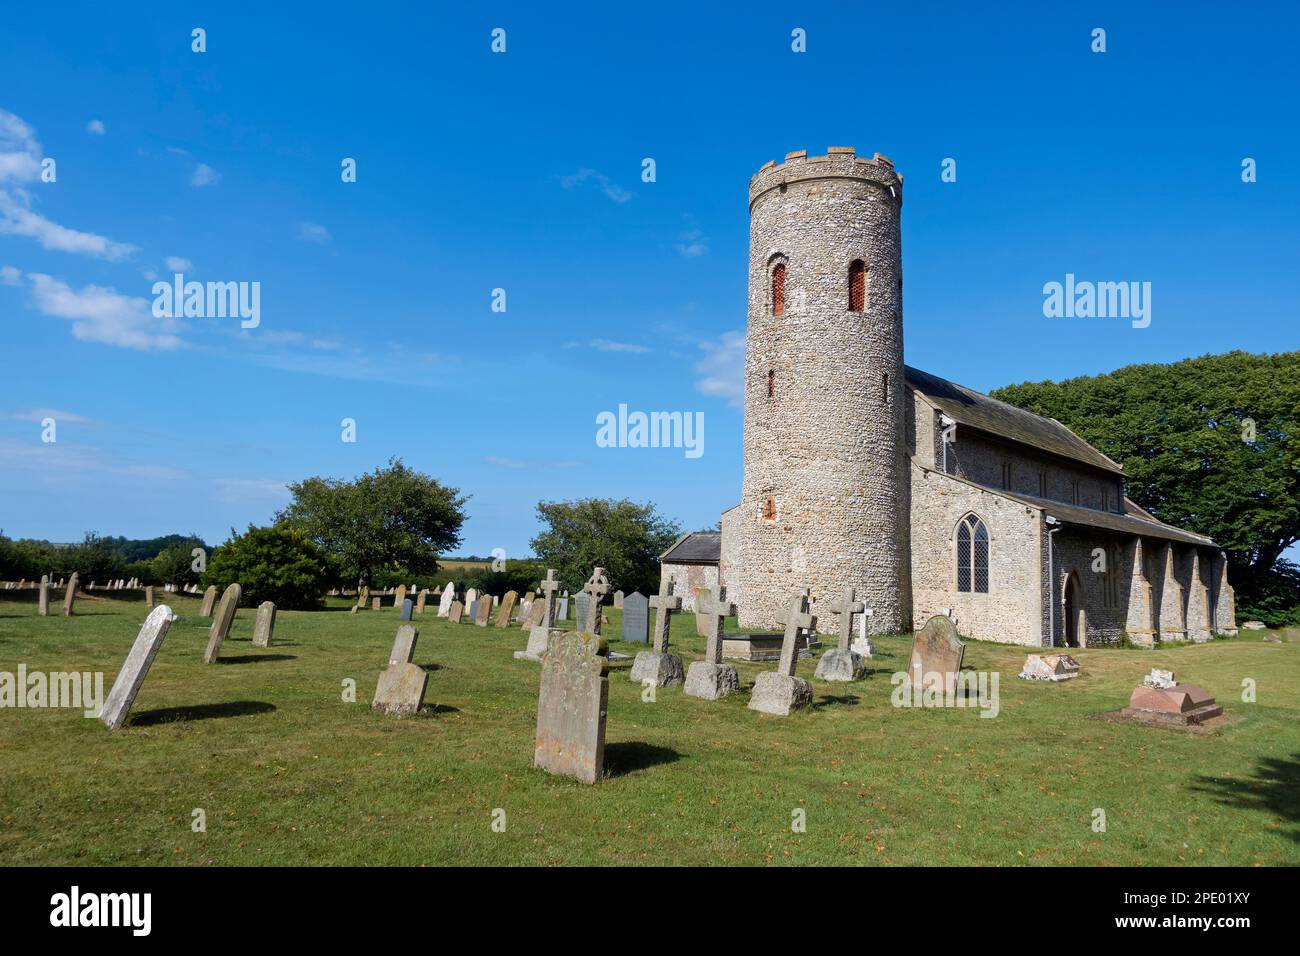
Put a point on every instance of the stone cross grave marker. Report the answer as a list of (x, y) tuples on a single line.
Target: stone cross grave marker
[(221, 621), (710, 679), (596, 588), (44, 600), (843, 663), (209, 601), (483, 612), (636, 618), (779, 692), (936, 650), (403, 651), (444, 602), (544, 616), (136, 666), (572, 703), (408, 608), (657, 666), (264, 625), (506, 609), (70, 595)]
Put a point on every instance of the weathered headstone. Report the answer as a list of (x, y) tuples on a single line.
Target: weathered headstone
[(444, 602), (221, 621), (403, 651), (595, 589), (657, 666), (70, 595), (148, 597), (264, 625), (1049, 667), (936, 657), (636, 618), (455, 612), (779, 692), (711, 679), (618, 600), (209, 601), (562, 609), (399, 595), (544, 615), (471, 596), (571, 706), (843, 663), (420, 599), (483, 611), (136, 666), (701, 625), (400, 692), (581, 610), (363, 598), (408, 607), (374, 603), (43, 603), (506, 609)]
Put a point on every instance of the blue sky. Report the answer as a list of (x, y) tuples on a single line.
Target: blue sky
[(522, 171)]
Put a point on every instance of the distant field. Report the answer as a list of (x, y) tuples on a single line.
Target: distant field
[(288, 773)]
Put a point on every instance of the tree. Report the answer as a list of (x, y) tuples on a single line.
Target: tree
[(392, 519), (95, 560), (622, 537), (277, 564), (175, 565), (1209, 444)]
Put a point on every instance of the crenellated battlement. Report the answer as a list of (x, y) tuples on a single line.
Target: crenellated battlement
[(840, 162)]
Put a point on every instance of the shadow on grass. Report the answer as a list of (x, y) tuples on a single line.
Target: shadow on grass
[(439, 709), (625, 758), (431, 667), (256, 658), (170, 715), (1274, 789), (845, 699)]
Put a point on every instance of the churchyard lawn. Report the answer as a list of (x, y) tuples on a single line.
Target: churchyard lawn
[(286, 772)]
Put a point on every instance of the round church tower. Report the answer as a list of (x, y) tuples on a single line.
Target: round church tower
[(826, 495)]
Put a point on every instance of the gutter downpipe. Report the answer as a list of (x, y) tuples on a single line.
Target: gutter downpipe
[(1053, 527)]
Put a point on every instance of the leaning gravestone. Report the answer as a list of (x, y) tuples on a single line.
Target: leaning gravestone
[(710, 679), (403, 651), (264, 626), (843, 663), (571, 706), (779, 692), (44, 600), (936, 655), (471, 609), (420, 599), (400, 691), (70, 595), (506, 609), (636, 618), (408, 606), (224, 617), (209, 599), (457, 609), (136, 666), (657, 666), (444, 602), (539, 634), (483, 611)]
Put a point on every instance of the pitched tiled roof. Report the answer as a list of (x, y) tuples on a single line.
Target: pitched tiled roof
[(1134, 521), (698, 547), (976, 410)]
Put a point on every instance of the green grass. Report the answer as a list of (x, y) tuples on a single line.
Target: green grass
[(290, 774)]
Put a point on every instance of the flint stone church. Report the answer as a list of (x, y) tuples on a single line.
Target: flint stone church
[(924, 496)]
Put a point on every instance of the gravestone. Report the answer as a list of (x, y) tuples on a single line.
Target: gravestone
[(363, 598), (657, 666), (780, 691), (506, 609), (636, 618), (936, 656), (43, 602), (701, 625), (264, 625), (400, 692), (399, 595), (862, 643), (533, 616), (471, 596), (581, 610), (710, 679), (595, 589), (148, 597), (544, 617), (221, 621), (454, 614), (562, 609), (209, 601), (403, 651), (572, 703), (136, 666), (374, 603), (483, 612), (843, 663), (528, 597), (1049, 667), (70, 595), (419, 600), (408, 607), (444, 602), (618, 600)]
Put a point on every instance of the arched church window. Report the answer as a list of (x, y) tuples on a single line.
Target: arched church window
[(972, 556), (778, 289), (857, 286)]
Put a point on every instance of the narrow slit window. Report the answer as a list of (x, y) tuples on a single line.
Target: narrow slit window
[(857, 286), (771, 384), (884, 387), (778, 289), (769, 510)]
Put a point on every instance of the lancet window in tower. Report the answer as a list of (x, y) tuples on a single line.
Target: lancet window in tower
[(771, 383), (778, 289), (857, 286), (769, 510)]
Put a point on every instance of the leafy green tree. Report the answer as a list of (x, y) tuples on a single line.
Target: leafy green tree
[(278, 563), (175, 565), (392, 519), (622, 537), (519, 575), (1211, 444), (95, 560)]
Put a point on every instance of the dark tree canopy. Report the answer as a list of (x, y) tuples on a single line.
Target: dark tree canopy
[(391, 519), (622, 537), (278, 564), (1209, 444)]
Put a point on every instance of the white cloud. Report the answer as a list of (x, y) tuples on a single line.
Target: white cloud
[(610, 188), (178, 264), (204, 175), (313, 232), (9, 275), (604, 345), (722, 370), (100, 314), (96, 127), (20, 153), (692, 243), (37, 415), (522, 464)]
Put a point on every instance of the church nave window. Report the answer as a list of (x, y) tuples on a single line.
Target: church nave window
[(972, 556)]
